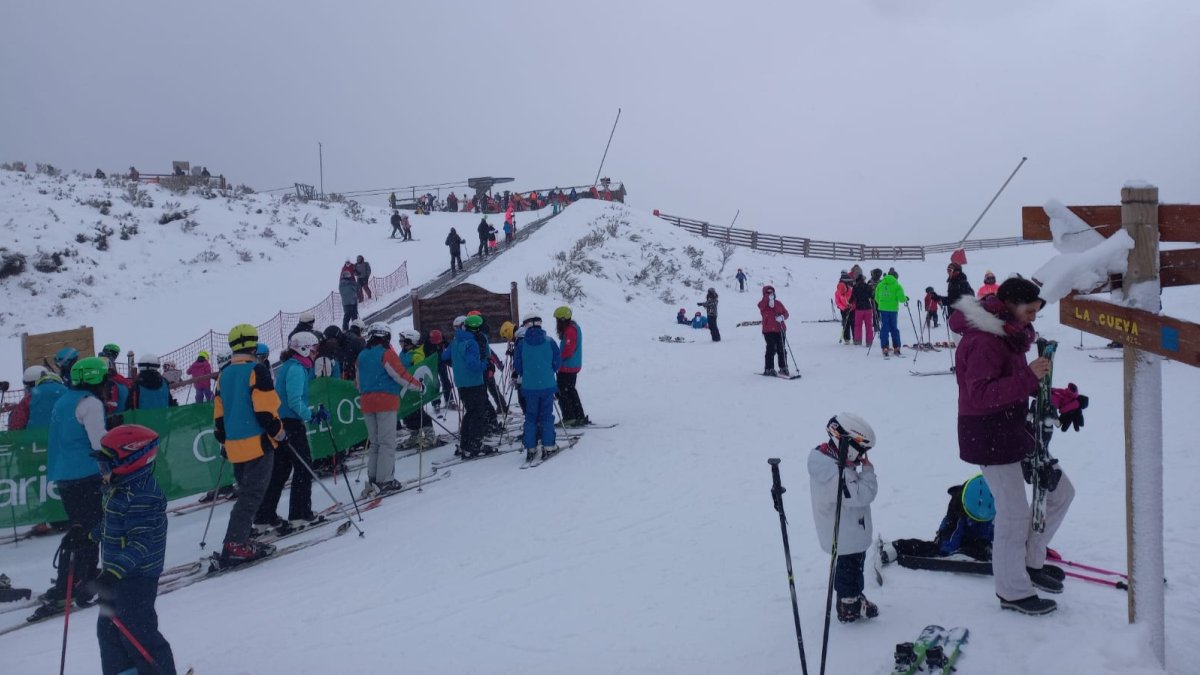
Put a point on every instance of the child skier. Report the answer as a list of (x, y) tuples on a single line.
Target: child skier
[(536, 360), (931, 307), (853, 536)]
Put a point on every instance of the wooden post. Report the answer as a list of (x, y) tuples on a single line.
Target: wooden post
[(754, 240), (1143, 424)]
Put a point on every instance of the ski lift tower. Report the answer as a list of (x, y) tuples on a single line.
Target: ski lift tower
[(483, 185)]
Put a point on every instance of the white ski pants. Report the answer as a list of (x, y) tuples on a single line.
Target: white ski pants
[(381, 451), (1015, 545)]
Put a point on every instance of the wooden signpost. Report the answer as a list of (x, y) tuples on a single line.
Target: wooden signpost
[(1146, 335)]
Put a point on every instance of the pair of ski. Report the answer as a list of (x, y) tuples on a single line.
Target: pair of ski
[(936, 649), (542, 458)]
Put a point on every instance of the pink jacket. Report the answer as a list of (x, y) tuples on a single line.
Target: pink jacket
[(200, 369)]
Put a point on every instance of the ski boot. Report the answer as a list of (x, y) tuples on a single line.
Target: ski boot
[(371, 490), (275, 525), (851, 609), (887, 351), (785, 372), (389, 487), (896, 351), (769, 371), (236, 553), (1032, 605), (410, 443), (533, 457)]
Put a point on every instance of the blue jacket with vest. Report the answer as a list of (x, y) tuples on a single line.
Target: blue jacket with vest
[(70, 453), (291, 381), (41, 403), (464, 357), (372, 377), (536, 360), (133, 534)]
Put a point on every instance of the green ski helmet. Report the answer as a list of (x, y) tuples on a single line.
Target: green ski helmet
[(474, 322), (563, 312), (89, 371), (111, 351)]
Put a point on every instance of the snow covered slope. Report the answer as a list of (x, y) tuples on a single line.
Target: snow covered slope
[(653, 547)]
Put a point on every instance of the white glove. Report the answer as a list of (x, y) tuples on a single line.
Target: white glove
[(419, 387), (779, 317)]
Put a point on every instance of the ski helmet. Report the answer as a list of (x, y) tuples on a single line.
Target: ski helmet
[(410, 336), (520, 333), (64, 358), (127, 448), (307, 317), (531, 319), (855, 429), (474, 322), (243, 336), (474, 312), (460, 321), (380, 330), (263, 350), (303, 343), (435, 337), (359, 324), (149, 360), (977, 500), (224, 356), (332, 332), (89, 371), (111, 351), (563, 313), (202, 355), (506, 331), (33, 374)]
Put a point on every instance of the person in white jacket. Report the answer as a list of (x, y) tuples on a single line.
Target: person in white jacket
[(854, 529)]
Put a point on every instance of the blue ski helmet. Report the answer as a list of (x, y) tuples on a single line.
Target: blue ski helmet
[(977, 500)]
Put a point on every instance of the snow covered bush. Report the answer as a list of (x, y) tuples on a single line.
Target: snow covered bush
[(11, 262)]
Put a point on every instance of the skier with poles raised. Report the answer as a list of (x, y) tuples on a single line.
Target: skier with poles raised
[(773, 316)]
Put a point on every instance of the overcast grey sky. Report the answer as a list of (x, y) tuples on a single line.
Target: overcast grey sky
[(885, 121)]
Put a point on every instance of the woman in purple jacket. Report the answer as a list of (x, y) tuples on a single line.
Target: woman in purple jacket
[(994, 386)]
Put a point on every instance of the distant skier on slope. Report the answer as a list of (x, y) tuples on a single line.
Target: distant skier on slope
[(774, 314)]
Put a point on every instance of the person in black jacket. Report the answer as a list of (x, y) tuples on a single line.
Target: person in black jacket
[(710, 306), (485, 231), (862, 300), (455, 243), (396, 224), (956, 287)]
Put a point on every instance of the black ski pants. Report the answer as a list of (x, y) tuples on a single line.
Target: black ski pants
[(848, 576), (85, 509), (712, 328), (847, 323), (134, 608), (252, 478), (494, 391), (349, 313), (288, 464), (455, 260), (774, 348), (568, 397), (931, 318), (474, 399)]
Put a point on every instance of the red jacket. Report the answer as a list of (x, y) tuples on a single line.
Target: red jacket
[(19, 417), (841, 296), (931, 302), (769, 324)]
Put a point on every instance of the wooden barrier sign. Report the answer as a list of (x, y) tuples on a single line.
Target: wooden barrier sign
[(1171, 338)]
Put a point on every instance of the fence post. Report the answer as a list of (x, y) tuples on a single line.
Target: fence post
[(704, 230), (754, 240)]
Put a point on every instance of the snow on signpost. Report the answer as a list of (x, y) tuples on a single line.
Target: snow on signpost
[(1095, 243)]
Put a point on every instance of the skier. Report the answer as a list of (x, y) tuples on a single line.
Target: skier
[(362, 271), (76, 427), (42, 390), (455, 242), (200, 368), (889, 294), (741, 279), (306, 322), (348, 289), (406, 226), (570, 348), (468, 377), (989, 286), (152, 391), (931, 307), (118, 387), (412, 352), (485, 231), (853, 535), (957, 286), (710, 306), (681, 318), (873, 283), (862, 300), (381, 376), (773, 316), (247, 425), (535, 362), (966, 528), (994, 386), (352, 344), (438, 344), (133, 538), (328, 359), (396, 227), (698, 321), (63, 360), (841, 300)]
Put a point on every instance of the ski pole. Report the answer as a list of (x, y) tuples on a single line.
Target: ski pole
[(317, 480), (213, 506), (562, 421), (777, 491), (843, 450), (62, 661), (444, 427), (1119, 585), (787, 350), (134, 641), (914, 326), (353, 499)]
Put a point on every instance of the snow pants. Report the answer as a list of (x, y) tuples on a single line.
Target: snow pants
[(847, 323), (349, 313), (474, 400), (381, 446), (713, 331), (890, 329), (539, 418), (455, 260), (203, 395), (135, 598), (494, 392), (774, 349), (863, 324), (253, 478), (568, 397), (848, 576), (1015, 545), (85, 509), (931, 317), (300, 498)]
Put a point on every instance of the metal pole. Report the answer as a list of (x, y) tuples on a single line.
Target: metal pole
[(989, 204), (610, 137), (321, 163)]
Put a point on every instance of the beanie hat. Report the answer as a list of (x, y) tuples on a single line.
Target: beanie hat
[(1020, 291), (954, 266)]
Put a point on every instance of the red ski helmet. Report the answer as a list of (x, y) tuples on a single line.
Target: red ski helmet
[(435, 337), (127, 448)]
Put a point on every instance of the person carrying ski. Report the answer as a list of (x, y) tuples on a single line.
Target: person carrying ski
[(862, 302), (152, 391), (570, 347), (774, 314), (468, 377), (856, 482), (889, 294), (247, 425), (957, 287), (536, 361), (396, 226), (710, 306), (348, 289), (741, 279), (291, 384), (381, 378), (989, 286), (76, 427), (841, 300), (931, 307), (133, 539), (994, 386), (201, 368), (455, 242)]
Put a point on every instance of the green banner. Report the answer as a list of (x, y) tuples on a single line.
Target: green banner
[(189, 457)]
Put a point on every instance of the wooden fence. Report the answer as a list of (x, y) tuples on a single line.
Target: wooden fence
[(828, 250)]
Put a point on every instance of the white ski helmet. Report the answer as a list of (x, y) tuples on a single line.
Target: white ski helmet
[(307, 317), (409, 335), (855, 429), (532, 319), (33, 374), (359, 324), (148, 360), (380, 330), (303, 343), (460, 321), (224, 356)]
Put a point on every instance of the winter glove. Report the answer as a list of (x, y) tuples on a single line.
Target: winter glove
[(780, 318), (1070, 404), (320, 415), (104, 587)]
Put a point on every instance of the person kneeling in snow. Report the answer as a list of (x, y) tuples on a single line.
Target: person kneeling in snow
[(966, 529), (850, 434), (698, 321)]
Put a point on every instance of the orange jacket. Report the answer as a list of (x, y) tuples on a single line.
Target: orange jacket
[(841, 296)]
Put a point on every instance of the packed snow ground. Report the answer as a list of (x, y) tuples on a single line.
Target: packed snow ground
[(653, 547)]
